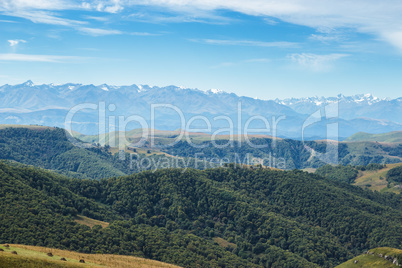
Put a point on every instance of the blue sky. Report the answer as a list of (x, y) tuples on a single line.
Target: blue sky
[(256, 48)]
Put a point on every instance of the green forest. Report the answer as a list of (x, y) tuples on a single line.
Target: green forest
[(229, 216), (269, 218), (290, 154), (50, 149)]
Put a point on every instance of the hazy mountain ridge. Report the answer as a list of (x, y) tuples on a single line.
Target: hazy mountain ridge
[(355, 106), (48, 104), (358, 98)]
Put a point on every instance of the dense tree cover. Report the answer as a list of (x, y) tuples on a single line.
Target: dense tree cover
[(274, 218), (50, 149), (395, 175), (282, 153), (372, 166), (346, 174), (394, 150), (36, 209)]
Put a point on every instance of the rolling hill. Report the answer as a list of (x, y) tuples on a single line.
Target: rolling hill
[(224, 217), (34, 256), (376, 179), (376, 258), (50, 148), (395, 136)]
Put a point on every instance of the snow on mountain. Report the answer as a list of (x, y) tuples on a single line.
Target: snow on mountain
[(28, 83), (48, 105), (368, 99)]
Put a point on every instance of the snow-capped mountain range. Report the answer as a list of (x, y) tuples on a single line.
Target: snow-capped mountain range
[(48, 104), (360, 98)]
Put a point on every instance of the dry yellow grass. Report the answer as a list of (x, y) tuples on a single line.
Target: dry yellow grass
[(90, 222), (372, 177), (373, 261), (223, 243), (309, 170), (91, 260)]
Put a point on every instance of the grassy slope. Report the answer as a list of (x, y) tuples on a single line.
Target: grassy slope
[(394, 136), (356, 150), (90, 222), (372, 177), (373, 261), (370, 149), (160, 137), (32, 256)]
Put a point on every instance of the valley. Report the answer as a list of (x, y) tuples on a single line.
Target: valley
[(200, 134)]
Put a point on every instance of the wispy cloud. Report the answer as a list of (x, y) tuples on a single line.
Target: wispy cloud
[(380, 18), (44, 17), (395, 38), (14, 43), (144, 34), (37, 4), (314, 62), (102, 19), (282, 44), (171, 16), (270, 21), (326, 39), (102, 32), (110, 6), (8, 21), (39, 58), (98, 32)]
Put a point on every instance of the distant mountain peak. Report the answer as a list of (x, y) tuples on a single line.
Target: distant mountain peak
[(39, 103), (215, 91), (28, 83), (366, 98)]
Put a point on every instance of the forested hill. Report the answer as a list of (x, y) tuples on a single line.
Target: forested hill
[(224, 217), (49, 148), (291, 154)]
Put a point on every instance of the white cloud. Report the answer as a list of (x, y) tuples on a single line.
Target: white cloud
[(103, 19), (14, 43), (98, 32), (35, 4), (37, 58), (380, 18), (44, 17), (270, 21), (245, 43), (144, 34), (110, 6), (8, 21), (326, 38), (314, 62), (395, 38)]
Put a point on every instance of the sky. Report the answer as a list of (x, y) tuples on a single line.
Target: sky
[(264, 49)]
